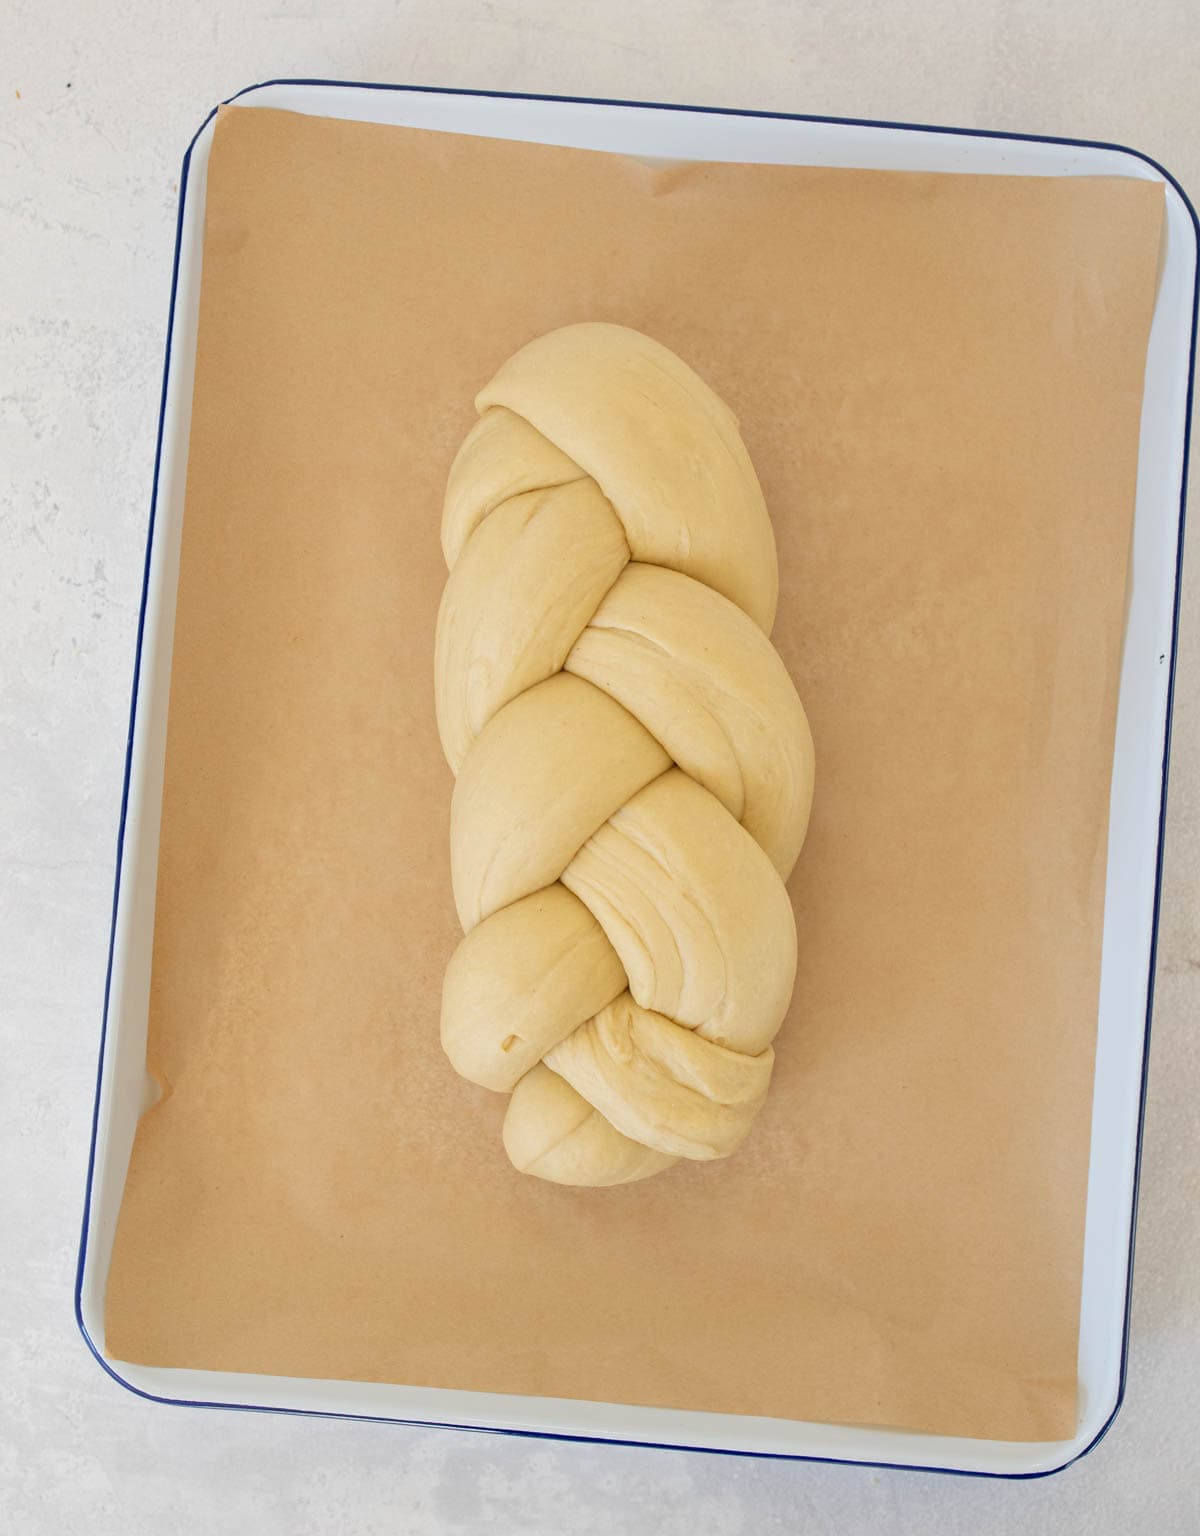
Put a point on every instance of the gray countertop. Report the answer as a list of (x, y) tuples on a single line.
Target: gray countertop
[(96, 106)]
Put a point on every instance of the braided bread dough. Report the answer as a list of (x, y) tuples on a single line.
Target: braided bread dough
[(634, 768)]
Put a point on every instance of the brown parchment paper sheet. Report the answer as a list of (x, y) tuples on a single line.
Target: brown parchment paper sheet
[(939, 380)]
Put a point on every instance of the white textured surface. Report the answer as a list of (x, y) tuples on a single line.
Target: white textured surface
[(109, 94)]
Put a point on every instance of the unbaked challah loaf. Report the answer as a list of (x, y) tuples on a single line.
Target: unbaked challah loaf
[(634, 768)]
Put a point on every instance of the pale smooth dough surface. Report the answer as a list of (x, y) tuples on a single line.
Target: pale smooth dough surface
[(634, 769)]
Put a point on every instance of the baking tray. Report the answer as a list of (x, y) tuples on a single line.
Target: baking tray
[(123, 1087)]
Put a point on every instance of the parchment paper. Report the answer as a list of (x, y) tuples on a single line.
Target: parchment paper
[(939, 381)]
